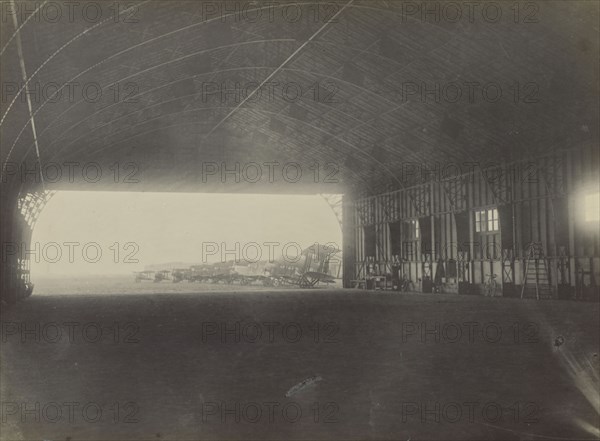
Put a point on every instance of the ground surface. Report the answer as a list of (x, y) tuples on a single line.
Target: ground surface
[(170, 373)]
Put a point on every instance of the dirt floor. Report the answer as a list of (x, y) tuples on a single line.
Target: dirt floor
[(299, 365)]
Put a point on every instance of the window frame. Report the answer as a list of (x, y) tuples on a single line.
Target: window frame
[(487, 220)]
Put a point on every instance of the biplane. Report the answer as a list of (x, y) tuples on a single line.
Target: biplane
[(155, 276), (143, 275), (311, 268), (181, 274), (162, 275)]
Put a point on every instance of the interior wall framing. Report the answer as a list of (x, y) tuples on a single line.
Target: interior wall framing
[(538, 201)]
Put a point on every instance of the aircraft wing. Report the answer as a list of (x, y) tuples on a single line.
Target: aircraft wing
[(325, 278)]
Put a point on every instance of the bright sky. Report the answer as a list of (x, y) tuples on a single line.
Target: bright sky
[(156, 228)]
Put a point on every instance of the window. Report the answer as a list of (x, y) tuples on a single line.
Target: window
[(592, 207), (411, 238), (492, 218), (487, 220), (412, 230)]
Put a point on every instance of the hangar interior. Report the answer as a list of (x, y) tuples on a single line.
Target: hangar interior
[(463, 137)]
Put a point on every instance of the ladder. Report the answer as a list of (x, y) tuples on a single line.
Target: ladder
[(536, 273)]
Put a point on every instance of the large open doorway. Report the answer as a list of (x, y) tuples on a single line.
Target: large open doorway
[(123, 242)]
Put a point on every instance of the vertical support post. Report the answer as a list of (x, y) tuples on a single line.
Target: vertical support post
[(349, 239)]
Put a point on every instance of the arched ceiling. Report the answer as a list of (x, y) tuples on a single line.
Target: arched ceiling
[(157, 62)]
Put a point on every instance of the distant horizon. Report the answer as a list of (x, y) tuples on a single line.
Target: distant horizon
[(76, 276)]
